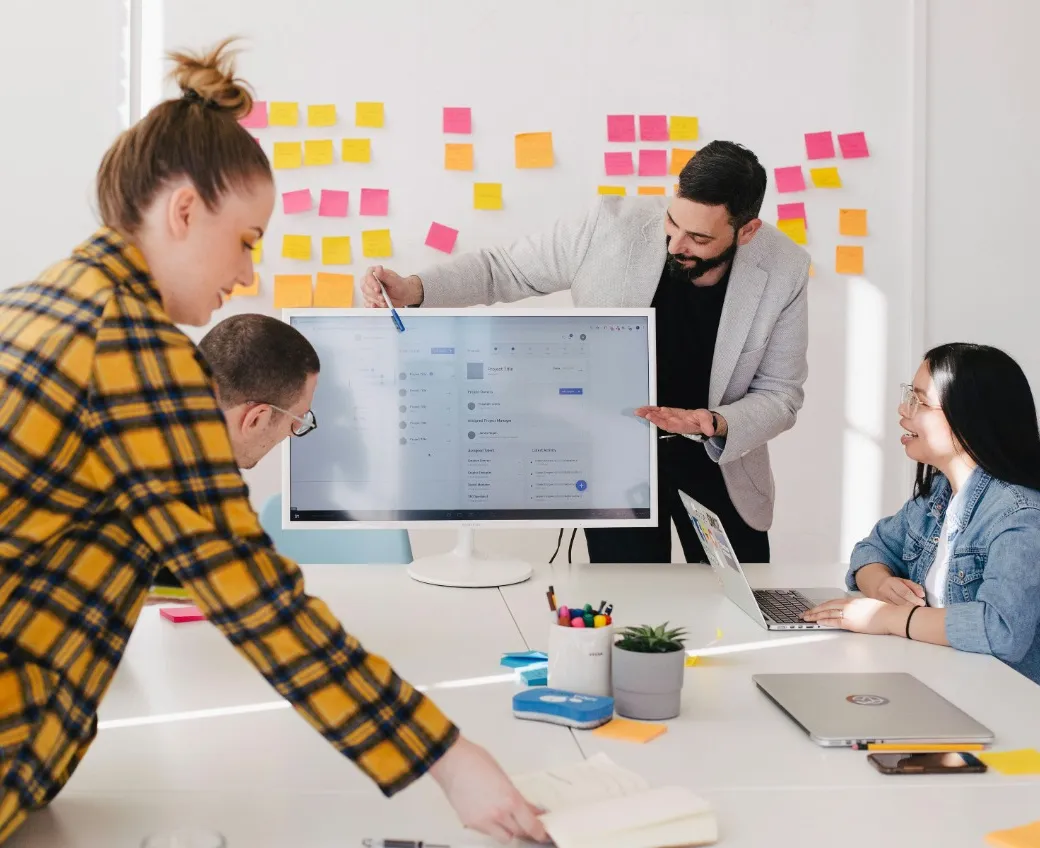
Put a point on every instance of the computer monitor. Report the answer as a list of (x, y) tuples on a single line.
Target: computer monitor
[(491, 417)]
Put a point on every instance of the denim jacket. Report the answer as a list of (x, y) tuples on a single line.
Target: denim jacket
[(992, 594)]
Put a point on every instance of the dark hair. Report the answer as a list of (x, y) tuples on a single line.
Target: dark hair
[(724, 173), (197, 136), (258, 358), (988, 404)]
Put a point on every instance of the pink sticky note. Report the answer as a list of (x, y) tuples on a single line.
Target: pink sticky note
[(458, 119), (789, 179), (441, 237), (333, 204), (294, 202), (653, 163), (621, 127), (618, 164), (853, 145), (819, 145), (653, 128), (375, 201), (790, 211), (179, 615), (257, 117)]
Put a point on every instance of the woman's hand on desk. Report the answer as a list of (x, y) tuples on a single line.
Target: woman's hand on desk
[(483, 796), (860, 615)]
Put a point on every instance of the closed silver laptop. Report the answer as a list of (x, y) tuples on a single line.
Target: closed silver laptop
[(773, 609), (838, 709)]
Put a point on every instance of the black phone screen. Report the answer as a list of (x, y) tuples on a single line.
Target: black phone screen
[(930, 762)]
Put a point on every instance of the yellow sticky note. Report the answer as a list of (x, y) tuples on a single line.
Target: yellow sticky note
[(651, 190), (848, 259), (1024, 761), (534, 150), (458, 157), (680, 157), (1026, 836), (357, 150), (369, 114), (258, 251), (683, 128), (812, 270), (318, 152), (630, 731), (335, 250), (376, 244), (296, 247), (852, 222), (613, 190), (321, 116), (292, 291), (334, 290), (287, 154), (794, 229), (283, 114), (487, 195), (825, 177)]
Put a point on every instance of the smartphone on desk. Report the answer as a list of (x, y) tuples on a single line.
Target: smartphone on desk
[(932, 762)]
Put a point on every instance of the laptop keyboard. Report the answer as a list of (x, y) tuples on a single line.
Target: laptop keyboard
[(784, 606)]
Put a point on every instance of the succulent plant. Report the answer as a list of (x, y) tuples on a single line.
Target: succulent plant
[(645, 639)]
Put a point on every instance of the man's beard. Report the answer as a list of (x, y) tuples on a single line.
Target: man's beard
[(701, 266)]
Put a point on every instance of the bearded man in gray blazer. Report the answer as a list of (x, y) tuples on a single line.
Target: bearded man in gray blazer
[(730, 294)]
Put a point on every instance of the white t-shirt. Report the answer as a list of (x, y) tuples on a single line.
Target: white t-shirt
[(935, 580)]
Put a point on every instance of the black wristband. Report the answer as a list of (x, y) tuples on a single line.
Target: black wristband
[(908, 617)]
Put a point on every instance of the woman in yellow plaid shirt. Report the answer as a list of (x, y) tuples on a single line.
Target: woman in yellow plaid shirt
[(115, 460)]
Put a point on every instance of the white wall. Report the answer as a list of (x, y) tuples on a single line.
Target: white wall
[(63, 99), (983, 175)]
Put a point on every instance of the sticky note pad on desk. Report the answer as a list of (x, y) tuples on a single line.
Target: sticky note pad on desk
[(1024, 761), (180, 615), (520, 659), (630, 731), (1026, 836)]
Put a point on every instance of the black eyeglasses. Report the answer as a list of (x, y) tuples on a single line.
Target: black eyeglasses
[(307, 422)]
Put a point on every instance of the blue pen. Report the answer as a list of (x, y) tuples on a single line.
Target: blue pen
[(393, 312)]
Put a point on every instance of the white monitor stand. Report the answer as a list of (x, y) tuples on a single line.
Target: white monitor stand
[(466, 567)]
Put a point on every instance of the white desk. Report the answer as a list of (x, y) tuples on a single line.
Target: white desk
[(265, 779)]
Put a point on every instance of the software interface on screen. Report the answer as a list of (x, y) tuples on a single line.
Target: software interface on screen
[(475, 417)]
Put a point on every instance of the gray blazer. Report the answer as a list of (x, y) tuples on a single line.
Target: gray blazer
[(614, 256)]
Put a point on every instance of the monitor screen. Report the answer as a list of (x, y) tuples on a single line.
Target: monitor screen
[(478, 415)]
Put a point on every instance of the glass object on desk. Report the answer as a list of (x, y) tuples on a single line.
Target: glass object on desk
[(185, 838)]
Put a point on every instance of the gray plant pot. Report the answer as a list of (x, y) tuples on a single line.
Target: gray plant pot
[(647, 686)]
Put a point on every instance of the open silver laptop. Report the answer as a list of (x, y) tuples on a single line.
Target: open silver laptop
[(838, 709), (774, 609)]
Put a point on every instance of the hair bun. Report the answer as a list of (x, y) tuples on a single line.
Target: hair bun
[(210, 77)]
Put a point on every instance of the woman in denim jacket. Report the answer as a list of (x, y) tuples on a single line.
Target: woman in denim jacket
[(959, 564)]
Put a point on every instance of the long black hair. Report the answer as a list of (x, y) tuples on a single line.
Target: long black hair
[(988, 404)]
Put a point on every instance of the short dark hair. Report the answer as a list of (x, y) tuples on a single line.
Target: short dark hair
[(724, 173), (989, 406), (258, 358)]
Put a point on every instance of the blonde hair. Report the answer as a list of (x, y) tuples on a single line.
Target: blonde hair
[(197, 136)]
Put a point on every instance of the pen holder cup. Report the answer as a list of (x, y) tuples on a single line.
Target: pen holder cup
[(579, 659)]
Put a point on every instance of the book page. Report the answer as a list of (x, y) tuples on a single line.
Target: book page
[(577, 784)]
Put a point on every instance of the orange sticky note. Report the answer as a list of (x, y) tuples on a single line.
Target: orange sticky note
[(679, 159), (335, 250), (296, 247), (376, 244), (534, 150), (848, 259), (487, 196), (248, 291), (357, 150), (292, 291), (682, 128), (630, 731), (458, 157), (1024, 761), (620, 190), (852, 222), (318, 152), (283, 114), (825, 177), (651, 190), (369, 115), (812, 270), (287, 154), (334, 290), (1026, 836), (321, 116), (794, 229)]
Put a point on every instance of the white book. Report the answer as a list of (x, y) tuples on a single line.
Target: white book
[(598, 804)]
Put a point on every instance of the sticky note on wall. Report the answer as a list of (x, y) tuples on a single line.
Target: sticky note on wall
[(621, 128), (789, 179), (787, 211), (376, 244), (333, 204), (369, 115), (651, 190), (852, 222), (621, 191), (292, 291), (321, 115), (534, 150), (825, 177), (258, 251), (251, 290), (317, 152), (794, 229), (294, 202), (441, 238), (287, 154), (681, 128), (848, 259), (679, 159), (458, 119), (819, 145), (357, 150), (458, 157), (332, 291), (618, 164), (653, 128), (335, 250), (375, 201), (257, 117), (653, 163), (487, 196), (284, 114), (296, 247), (853, 145)]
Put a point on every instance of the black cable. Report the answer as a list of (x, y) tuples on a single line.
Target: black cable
[(559, 541), (570, 547)]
